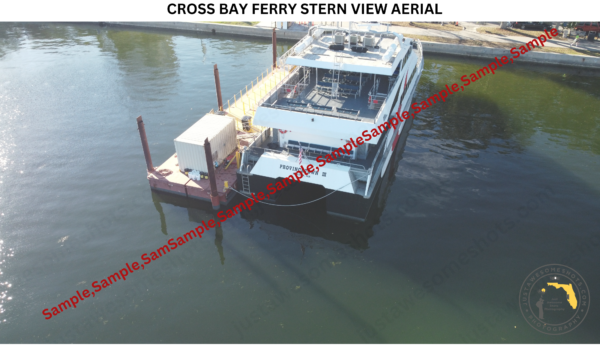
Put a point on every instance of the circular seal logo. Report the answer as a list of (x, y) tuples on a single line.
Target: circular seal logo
[(554, 299)]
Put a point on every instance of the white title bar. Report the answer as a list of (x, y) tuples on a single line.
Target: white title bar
[(315, 10)]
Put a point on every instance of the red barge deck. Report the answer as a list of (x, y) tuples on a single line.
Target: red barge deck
[(168, 178)]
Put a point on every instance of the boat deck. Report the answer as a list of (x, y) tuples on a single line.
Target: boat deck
[(352, 102)]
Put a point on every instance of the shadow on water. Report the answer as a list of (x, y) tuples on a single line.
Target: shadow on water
[(198, 212), (202, 211), (303, 225)]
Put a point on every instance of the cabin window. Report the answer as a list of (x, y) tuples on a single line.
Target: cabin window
[(312, 151)]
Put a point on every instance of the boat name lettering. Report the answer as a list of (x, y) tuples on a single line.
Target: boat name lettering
[(289, 167)]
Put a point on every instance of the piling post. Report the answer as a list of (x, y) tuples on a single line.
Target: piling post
[(145, 147), (218, 86), (214, 193), (274, 49)]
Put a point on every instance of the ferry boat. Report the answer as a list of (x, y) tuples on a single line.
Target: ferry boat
[(337, 84), (331, 86)]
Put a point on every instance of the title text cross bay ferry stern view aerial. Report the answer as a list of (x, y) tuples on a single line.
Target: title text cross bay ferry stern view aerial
[(333, 85)]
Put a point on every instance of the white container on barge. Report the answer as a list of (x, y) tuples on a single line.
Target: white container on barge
[(221, 134)]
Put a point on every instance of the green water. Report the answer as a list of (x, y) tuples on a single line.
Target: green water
[(75, 205)]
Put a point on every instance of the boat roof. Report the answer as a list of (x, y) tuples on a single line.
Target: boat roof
[(317, 52)]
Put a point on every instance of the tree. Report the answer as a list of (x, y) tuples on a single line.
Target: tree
[(569, 25)]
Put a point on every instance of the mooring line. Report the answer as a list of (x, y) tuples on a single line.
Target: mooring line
[(306, 203)]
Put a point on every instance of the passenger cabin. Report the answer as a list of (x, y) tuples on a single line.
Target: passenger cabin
[(338, 87)]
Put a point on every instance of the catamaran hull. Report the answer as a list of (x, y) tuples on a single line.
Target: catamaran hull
[(339, 204)]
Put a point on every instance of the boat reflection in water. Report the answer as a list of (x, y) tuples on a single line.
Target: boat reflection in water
[(198, 211), (310, 220)]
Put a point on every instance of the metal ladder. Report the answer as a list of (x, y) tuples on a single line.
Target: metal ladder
[(246, 183), (335, 84)]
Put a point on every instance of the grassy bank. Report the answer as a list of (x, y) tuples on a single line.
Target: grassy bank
[(478, 43), (430, 26), (513, 32)]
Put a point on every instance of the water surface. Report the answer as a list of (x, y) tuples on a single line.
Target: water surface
[(75, 205)]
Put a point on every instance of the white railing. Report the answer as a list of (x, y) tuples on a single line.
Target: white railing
[(281, 60), (376, 100), (293, 90), (278, 85), (264, 82), (296, 89)]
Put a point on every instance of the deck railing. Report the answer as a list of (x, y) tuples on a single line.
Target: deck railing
[(281, 61), (376, 100), (251, 101), (279, 85), (252, 95), (334, 112), (258, 151)]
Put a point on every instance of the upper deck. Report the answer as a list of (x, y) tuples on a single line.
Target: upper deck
[(350, 50), (336, 97), (359, 98)]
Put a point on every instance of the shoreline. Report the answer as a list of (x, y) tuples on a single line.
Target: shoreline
[(428, 47), (215, 28)]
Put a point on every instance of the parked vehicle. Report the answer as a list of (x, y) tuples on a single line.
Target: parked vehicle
[(588, 27), (532, 25)]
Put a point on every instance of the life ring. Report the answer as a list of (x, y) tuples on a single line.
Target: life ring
[(282, 131)]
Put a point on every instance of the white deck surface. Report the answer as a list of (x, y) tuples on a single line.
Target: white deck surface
[(319, 55)]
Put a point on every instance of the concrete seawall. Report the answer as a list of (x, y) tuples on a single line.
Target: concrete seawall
[(216, 28), (533, 57), (428, 47)]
